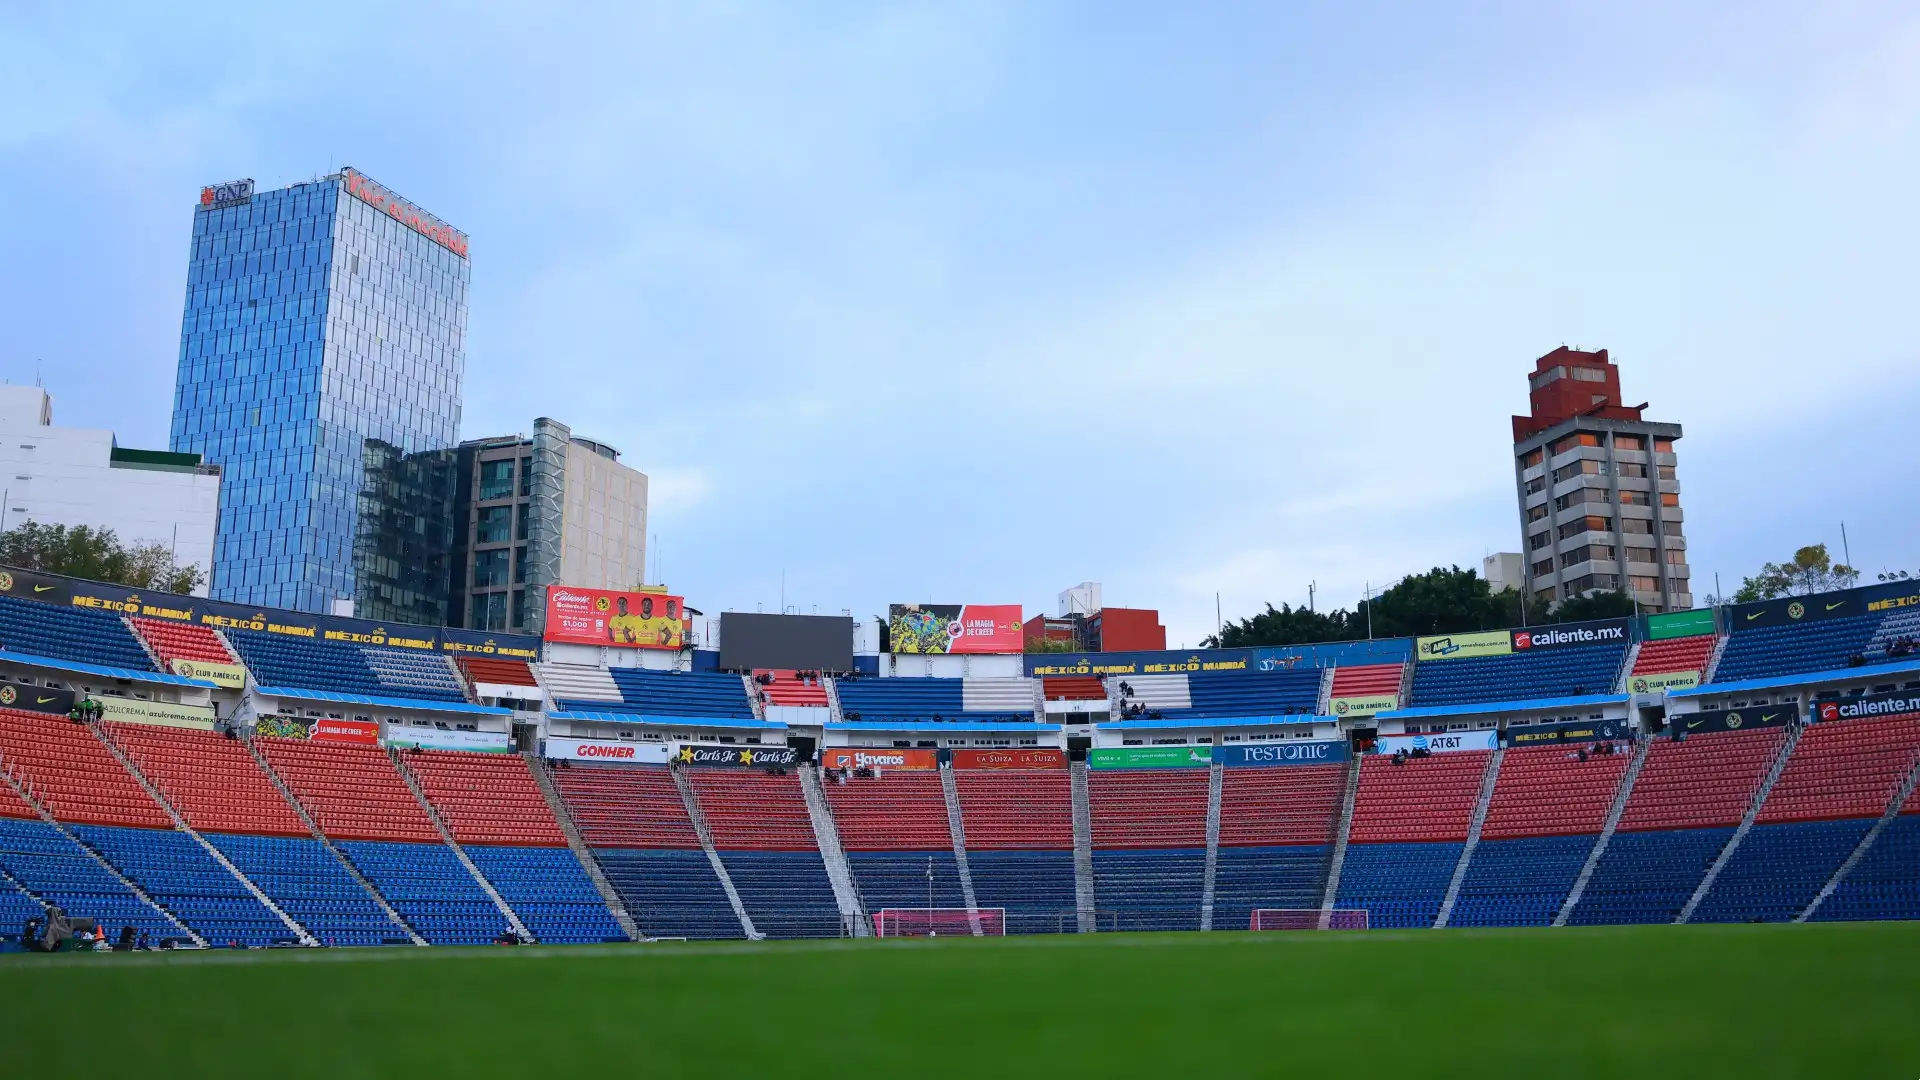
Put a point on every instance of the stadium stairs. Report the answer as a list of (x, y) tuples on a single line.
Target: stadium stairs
[(1740, 832), (704, 830), (957, 833), (1637, 762), (582, 852), (170, 641), (1474, 824), (1020, 841), (1210, 875), (1083, 879), (1342, 830), (1275, 839), (475, 817), (640, 830), (1881, 879), (763, 832), (1410, 826), (1149, 846), (898, 839), (826, 836)]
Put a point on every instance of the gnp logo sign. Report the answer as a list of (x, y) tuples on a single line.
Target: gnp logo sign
[(1610, 632)]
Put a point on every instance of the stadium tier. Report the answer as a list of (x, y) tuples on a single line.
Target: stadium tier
[(1149, 847), (1367, 680), (1784, 650), (81, 635), (1675, 654), (894, 829), (1548, 807), (927, 700), (1018, 825), (1573, 671), (340, 668), (765, 839), (1409, 827), (680, 693), (1276, 836), (791, 688), (170, 641), (486, 798), (635, 820)]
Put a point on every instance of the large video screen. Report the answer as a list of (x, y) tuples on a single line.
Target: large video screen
[(787, 642)]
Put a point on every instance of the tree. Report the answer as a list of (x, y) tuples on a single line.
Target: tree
[(1286, 625), (1052, 645), (1604, 604), (98, 555), (1811, 570)]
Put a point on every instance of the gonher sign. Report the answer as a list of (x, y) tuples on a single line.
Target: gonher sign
[(1606, 632), (1707, 723), (1572, 731), (622, 620), (1860, 708), (560, 749), (1009, 759), (845, 757), (1281, 753), (215, 196), (431, 738), (1440, 742), (405, 212), (1150, 757), (954, 628), (226, 676), (1365, 705), (1461, 646), (757, 757), (1668, 680)]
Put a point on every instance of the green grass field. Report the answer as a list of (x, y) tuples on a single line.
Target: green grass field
[(1747, 1001)]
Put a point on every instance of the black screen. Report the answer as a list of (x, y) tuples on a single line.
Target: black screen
[(793, 642)]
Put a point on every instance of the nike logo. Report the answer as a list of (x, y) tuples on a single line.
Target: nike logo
[(1830, 607), (1752, 615), (43, 588), (41, 701), (1691, 724)]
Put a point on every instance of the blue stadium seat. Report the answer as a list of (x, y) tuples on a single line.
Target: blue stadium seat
[(786, 893), (309, 884), (1246, 878), (549, 891), (1778, 870), (898, 879), (427, 885), (913, 700), (672, 693), (1149, 889), (341, 668), (1519, 882), (1035, 887), (1885, 883), (82, 635), (1784, 650), (53, 868), (16, 907), (1254, 693), (1400, 885), (1521, 676), (1647, 877), (179, 874), (670, 892)]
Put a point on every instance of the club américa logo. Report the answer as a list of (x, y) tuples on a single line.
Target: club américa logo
[(1796, 609), (6, 581), (8, 695)]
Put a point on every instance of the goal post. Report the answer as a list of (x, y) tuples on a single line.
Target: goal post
[(940, 922), (1308, 919)]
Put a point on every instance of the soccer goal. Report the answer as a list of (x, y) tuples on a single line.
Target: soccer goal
[(1309, 919), (940, 922)]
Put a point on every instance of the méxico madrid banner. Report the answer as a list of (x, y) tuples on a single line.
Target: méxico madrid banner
[(625, 620), (847, 757), (1571, 731), (1009, 759), (954, 628)]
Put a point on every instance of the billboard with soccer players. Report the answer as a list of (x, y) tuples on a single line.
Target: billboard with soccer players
[(641, 619)]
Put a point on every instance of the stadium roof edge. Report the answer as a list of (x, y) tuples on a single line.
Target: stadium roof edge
[(102, 670), (1483, 708), (1850, 674)]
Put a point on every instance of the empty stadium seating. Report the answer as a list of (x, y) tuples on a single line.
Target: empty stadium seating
[(1399, 885), (307, 664), (72, 774), (172, 641), (548, 890), (1253, 693), (1409, 825), (179, 874), (81, 635), (1885, 883), (633, 818), (893, 828), (1149, 846), (1276, 825), (430, 889), (1519, 882), (678, 693), (60, 872), (917, 701), (493, 671), (1522, 676), (210, 780), (789, 688), (1675, 654), (311, 886), (1367, 680), (1073, 688), (1019, 831), (486, 798), (761, 829), (352, 792), (1769, 651)]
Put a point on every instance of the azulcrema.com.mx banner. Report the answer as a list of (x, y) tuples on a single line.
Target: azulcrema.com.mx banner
[(624, 620), (954, 628)]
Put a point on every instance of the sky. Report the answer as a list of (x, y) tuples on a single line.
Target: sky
[(970, 302)]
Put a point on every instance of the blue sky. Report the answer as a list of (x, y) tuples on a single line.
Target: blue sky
[(971, 302)]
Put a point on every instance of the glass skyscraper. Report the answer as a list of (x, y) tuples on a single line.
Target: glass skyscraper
[(320, 319)]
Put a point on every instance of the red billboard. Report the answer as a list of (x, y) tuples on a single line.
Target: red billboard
[(626, 620), (1009, 759), (358, 732), (877, 758), (955, 628)]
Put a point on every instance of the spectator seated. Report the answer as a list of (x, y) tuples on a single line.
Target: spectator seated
[(82, 635), (791, 688), (1572, 671)]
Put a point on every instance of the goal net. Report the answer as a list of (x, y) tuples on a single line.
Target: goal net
[(1309, 919), (940, 922)]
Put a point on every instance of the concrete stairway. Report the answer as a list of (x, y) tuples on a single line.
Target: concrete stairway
[(699, 819), (1479, 820), (543, 777), (1215, 781), (1746, 826), (1641, 749), (1342, 828), (1082, 849), (826, 834), (1860, 850), (446, 837), (957, 830)]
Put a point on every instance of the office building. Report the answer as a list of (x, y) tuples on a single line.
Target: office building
[(1598, 489), (83, 476), (324, 332)]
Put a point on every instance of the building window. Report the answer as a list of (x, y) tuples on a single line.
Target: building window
[(1639, 555), (490, 567), (1592, 582), (1545, 596), (1663, 446), (1590, 553), (1636, 527), (1580, 497), (519, 609), (1669, 498), (1666, 472), (1675, 558), (1531, 458), (1641, 583), (520, 526), (1629, 497), (1632, 470), (520, 565), (489, 612), (1574, 441), (1543, 568), (1670, 528), (1629, 442), (1535, 513), (1548, 377), (1536, 485), (496, 523), (526, 478), (1585, 466), (1539, 540), (1587, 374), (496, 479)]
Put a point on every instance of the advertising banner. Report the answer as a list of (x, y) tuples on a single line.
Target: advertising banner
[(1581, 731), (1668, 680), (1679, 624), (1564, 635), (625, 620), (849, 757), (758, 757), (1461, 646), (172, 607), (1281, 753), (1364, 706), (1787, 610), (1029, 758), (227, 676), (357, 732), (1265, 658), (954, 628), (1764, 716), (36, 699), (432, 738), (1150, 757), (1440, 742), (1860, 708), (161, 713), (559, 749), (281, 727)]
